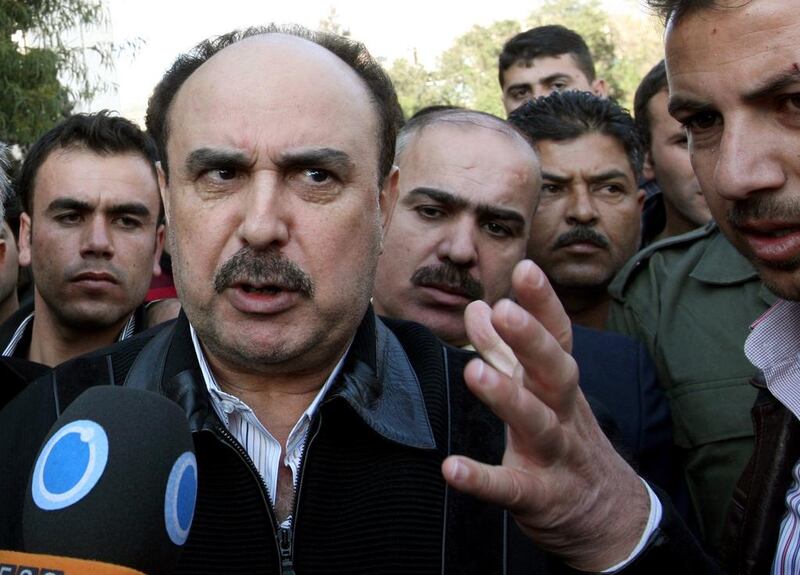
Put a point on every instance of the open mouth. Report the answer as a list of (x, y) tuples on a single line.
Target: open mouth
[(267, 290)]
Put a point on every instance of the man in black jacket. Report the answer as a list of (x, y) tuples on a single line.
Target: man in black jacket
[(324, 439), (92, 235)]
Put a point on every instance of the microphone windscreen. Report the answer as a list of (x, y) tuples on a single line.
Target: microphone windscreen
[(115, 481)]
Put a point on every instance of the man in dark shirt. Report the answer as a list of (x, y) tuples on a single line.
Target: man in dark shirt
[(91, 234)]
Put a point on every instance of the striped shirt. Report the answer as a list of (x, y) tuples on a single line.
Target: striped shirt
[(774, 347), (261, 446), (19, 333)]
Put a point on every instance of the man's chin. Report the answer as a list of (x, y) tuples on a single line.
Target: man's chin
[(93, 319), (784, 283)]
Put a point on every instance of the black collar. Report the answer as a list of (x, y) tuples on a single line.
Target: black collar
[(377, 380)]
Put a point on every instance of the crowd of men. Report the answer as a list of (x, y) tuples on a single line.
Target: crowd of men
[(455, 343)]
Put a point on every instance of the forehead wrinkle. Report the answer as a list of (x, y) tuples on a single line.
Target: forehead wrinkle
[(717, 46), (208, 90)]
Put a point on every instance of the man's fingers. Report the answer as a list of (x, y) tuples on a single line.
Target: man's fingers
[(533, 291), (532, 423), (495, 484), (486, 340), (550, 372)]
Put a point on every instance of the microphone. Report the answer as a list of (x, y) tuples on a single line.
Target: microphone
[(115, 482)]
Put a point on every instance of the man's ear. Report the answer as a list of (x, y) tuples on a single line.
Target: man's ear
[(640, 197), (163, 189), (600, 88), (24, 239), (160, 234), (387, 199), (648, 169)]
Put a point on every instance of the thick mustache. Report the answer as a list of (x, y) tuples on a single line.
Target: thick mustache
[(267, 268), (448, 275), (581, 235), (763, 207)]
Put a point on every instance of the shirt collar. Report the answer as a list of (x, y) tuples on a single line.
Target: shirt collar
[(217, 395), (773, 346), (376, 379)]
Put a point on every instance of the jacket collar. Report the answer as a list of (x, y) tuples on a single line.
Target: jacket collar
[(377, 380), (722, 265)]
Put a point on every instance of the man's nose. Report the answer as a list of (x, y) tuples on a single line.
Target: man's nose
[(459, 243), (748, 159), (265, 220), (581, 208), (96, 241)]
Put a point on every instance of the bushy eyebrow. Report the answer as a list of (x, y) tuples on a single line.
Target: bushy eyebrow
[(553, 77), (612, 174), (483, 210), (125, 208), (441, 196), (326, 158), (774, 85), (679, 104), (768, 88), (204, 159)]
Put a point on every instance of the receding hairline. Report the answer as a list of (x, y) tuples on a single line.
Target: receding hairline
[(462, 119), (276, 38)]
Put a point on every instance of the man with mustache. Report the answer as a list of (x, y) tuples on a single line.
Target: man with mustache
[(328, 440), (468, 187), (90, 232), (588, 223), (683, 296), (467, 192)]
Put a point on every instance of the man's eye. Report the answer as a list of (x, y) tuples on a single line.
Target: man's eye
[(550, 188), (70, 218), (221, 175), (497, 230), (128, 222), (318, 176), (519, 93), (612, 189), (792, 103), (702, 121), (559, 86), (430, 212), (681, 141)]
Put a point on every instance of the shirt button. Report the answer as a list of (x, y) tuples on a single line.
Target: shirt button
[(228, 407)]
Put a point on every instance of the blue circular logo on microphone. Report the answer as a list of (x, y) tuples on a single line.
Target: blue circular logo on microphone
[(180, 498), (70, 465)]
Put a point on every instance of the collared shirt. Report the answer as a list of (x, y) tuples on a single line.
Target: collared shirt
[(774, 347), (262, 447), (27, 323)]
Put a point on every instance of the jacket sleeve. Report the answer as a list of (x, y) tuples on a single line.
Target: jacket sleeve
[(672, 549)]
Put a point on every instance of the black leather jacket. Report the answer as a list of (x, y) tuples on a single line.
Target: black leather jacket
[(759, 500)]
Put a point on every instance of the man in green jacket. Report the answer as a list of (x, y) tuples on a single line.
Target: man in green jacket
[(691, 300)]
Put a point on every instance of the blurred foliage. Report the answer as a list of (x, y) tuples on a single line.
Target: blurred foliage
[(43, 73), (624, 47)]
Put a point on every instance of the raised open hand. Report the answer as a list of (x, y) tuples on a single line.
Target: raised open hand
[(566, 486)]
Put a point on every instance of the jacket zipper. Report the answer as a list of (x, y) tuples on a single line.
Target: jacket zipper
[(287, 533), (284, 535), (231, 442)]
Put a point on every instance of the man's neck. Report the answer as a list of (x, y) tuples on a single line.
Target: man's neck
[(676, 224), (8, 306), (589, 309), (277, 399), (53, 343)]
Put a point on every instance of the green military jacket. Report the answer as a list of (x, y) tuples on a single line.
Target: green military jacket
[(691, 299)]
